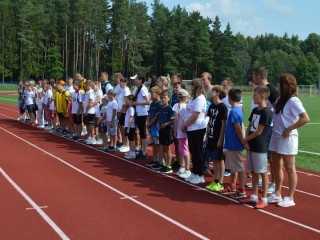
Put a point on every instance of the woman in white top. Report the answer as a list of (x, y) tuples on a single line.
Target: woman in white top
[(288, 116), (195, 125)]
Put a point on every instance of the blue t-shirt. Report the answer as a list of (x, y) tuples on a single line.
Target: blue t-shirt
[(166, 114), (232, 142), (174, 99), (155, 107)]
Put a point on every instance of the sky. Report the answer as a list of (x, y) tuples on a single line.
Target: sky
[(256, 17)]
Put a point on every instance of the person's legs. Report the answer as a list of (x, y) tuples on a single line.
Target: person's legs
[(290, 166), (277, 163)]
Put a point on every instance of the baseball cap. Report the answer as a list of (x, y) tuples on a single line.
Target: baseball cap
[(112, 91), (134, 77), (61, 82), (183, 93), (105, 96)]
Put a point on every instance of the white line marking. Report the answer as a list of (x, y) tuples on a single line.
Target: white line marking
[(35, 206), (31, 208), (313, 153), (123, 198), (115, 190), (316, 123), (7, 99), (9, 109)]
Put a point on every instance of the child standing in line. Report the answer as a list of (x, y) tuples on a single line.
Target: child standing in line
[(155, 107), (233, 136), (112, 121), (256, 143), (165, 118), (217, 113), (129, 127), (30, 103), (102, 124), (89, 112), (183, 148), (97, 103), (77, 109), (40, 108)]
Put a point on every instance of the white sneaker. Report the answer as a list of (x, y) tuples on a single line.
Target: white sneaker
[(41, 127), (180, 171), (185, 174), (286, 202), (47, 128), (197, 180), (99, 141), (271, 188), (91, 141), (188, 179), (124, 149), (130, 156), (274, 198)]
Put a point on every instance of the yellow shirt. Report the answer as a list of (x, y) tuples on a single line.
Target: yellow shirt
[(65, 102), (57, 101), (82, 83)]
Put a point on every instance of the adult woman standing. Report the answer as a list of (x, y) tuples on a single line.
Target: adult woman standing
[(195, 125), (141, 102), (288, 116)]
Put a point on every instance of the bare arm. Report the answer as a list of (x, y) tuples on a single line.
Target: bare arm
[(221, 137), (304, 118), (190, 121), (239, 131)]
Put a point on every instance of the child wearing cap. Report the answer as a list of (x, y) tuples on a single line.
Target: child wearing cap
[(111, 116), (183, 148)]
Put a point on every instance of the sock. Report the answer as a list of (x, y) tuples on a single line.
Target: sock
[(265, 200)]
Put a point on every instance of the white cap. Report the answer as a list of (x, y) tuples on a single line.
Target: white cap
[(134, 77), (40, 90)]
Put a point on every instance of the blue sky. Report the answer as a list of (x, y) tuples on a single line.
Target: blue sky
[(255, 17)]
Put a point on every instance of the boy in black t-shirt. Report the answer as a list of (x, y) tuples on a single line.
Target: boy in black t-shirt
[(217, 113), (256, 143)]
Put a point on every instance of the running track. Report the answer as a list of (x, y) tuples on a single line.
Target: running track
[(77, 192)]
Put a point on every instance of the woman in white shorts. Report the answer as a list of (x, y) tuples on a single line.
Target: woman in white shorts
[(288, 116)]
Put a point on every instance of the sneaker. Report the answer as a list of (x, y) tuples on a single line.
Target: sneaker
[(156, 166), (217, 187), (286, 202), (75, 138), (239, 195), (124, 149), (272, 188), (111, 149), (119, 144), (274, 198), (41, 127), (130, 155), (166, 169), (211, 185), (197, 179), (141, 156), (249, 184), (91, 141), (180, 171), (228, 191), (261, 204), (185, 174), (188, 179), (102, 148), (207, 173), (99, 141), (152, 163), (251, 200), (227, 173)]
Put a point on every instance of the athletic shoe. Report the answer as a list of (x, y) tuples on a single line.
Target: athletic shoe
[(119, 144), (261, 204), (151, 163), (286, 202), (102, 148), (41, 127), (211, 185), (48, 128), (75, 138), (99, 141), (239, 195), (180, 171), (188, 179), (227, 173), (91, 141), (274, 198), (207, 173), (166, 169), (124, 149), (141, 156), (228, 191), (156, 166), (251, 200), (185, 174), (111, 149), (272, 188), (197, 179), (130, 155), (217, 187), (249, 184)]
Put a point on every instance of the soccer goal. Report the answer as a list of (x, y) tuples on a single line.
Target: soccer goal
[(307, 90)]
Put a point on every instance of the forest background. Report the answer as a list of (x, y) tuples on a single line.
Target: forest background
[(58, 38)]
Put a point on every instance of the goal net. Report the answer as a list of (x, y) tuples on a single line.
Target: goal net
[(307, 90)]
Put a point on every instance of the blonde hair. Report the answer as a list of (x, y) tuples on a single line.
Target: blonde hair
[(98, 84), (156, 90), (165, 80)]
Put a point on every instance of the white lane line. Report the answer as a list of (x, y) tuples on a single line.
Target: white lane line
[(35, 206), (176, 179), (114, 189), (7, 99), (313, 153), (9, 109), (30, 208)]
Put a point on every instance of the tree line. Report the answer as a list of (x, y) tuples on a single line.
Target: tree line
[(58, 38)]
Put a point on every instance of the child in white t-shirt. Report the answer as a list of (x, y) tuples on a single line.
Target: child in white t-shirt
[(129, 128), (102, 123), (40, 108), (89, 112)]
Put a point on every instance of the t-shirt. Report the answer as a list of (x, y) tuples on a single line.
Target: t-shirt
[(64, 100), (260, 117), (123, 92), (110, 107), (174, 99), (77, 99), (105, 87), (97, 106), (89, 96), (29, 97), (216, 114), (142, 110), (40, 103), (226, 102), (231, 140), (57, 101), (155, 107), (181, 109), (129, 113), (82, 83), (47, 96), (103, 110), (164, 115), (70, 89), (288, 117), (197, 105)]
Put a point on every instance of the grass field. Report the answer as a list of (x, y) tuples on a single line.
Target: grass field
[(8, 87), (308, 134)]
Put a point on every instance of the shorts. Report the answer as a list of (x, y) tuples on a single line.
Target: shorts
[(166, 136), (284, 146), (131, 133), (216, 154), (122, 118), (22, 107), (257, 162), (61, 115), (30, 108), (112, 131), (141, 124), (234, 161), (88, 119), (103, 128), (77, 119), (183, 146), (154, 140)]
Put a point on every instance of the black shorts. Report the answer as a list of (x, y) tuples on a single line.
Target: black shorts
[(22, 106), (88, 119), (61, 116), (122, 118), (131, 133), (103, 128), (166, 136), (141, 124), (77, 119), (30, 108)]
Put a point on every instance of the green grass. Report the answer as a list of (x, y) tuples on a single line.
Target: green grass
[(308, 134), (8, 87)]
